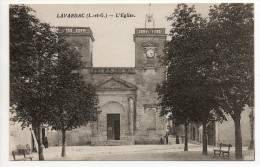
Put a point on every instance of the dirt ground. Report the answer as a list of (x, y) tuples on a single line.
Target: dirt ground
[(138, 153)]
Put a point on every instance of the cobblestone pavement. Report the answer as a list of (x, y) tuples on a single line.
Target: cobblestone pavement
[(137, 152)]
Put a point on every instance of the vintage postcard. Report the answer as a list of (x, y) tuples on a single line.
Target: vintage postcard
[(117, 82)]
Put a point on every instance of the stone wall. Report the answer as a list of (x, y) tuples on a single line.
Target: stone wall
[(150, 127), (84, 43), (18, 136), (76, 137), (148, 39), (226, 130), (81, 38), (147, 108)]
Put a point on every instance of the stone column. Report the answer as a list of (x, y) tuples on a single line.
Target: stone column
[(131, 115)]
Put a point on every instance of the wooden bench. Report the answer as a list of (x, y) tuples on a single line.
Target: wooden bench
[(30, 157), (224, 150)]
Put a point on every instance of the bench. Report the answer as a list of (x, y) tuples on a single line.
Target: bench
[(24, 157), (224, 150)]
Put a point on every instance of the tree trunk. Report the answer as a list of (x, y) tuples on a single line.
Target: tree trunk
[(173, 129), (238, 137), (186, 137), (40, 146), (252, 124), (63, 152), (204, 138)]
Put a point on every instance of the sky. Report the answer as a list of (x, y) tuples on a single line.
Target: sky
[(113, 45)]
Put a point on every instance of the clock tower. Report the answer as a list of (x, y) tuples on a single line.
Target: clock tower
[(149, 72), (149, 44)]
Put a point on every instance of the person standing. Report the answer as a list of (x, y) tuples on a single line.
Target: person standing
[(167, 133)]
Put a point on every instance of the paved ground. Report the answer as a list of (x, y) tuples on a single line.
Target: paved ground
[(136, 152)]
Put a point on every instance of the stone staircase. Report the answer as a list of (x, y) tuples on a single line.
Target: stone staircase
[(112, 143)]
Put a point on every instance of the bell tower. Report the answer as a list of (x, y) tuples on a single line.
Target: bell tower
[(82, 39), (149, 43)]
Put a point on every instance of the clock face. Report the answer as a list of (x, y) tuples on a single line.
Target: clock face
[(150, 53)]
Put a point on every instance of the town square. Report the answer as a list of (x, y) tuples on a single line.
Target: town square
[(132, 82)]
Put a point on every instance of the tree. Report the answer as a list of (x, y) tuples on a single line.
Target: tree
[(252, 124), (174, 103), (189, 88), (181, 117), (232, 30), (74, 102), (31, 49)]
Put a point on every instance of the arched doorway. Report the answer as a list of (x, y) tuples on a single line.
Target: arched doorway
[(113, 111)]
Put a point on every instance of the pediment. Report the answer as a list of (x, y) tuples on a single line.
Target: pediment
[(116, 84)]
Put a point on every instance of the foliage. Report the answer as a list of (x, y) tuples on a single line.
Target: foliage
[(46, 84), (74, 103), (232, 27), (190, 65), (31, 49), (190, 88), (31, 44), (210, 65)]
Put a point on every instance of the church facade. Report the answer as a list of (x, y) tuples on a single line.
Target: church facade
[(127, 96), (128, 101)]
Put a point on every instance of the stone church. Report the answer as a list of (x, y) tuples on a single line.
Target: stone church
[(127, 97), (128, 100)]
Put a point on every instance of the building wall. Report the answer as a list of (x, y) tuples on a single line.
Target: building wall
[(150, 127), (18, 136), (142, 42), (226, 130), (53, 138), (117, 104), (84, 44), (147, 108), (80, 40), (76, 137)]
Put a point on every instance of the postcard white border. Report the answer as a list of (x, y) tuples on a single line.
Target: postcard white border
[(4, 94)]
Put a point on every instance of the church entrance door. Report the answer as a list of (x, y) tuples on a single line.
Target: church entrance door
[(113, 126)]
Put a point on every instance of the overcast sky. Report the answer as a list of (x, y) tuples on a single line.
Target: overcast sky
[(114, 45)]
